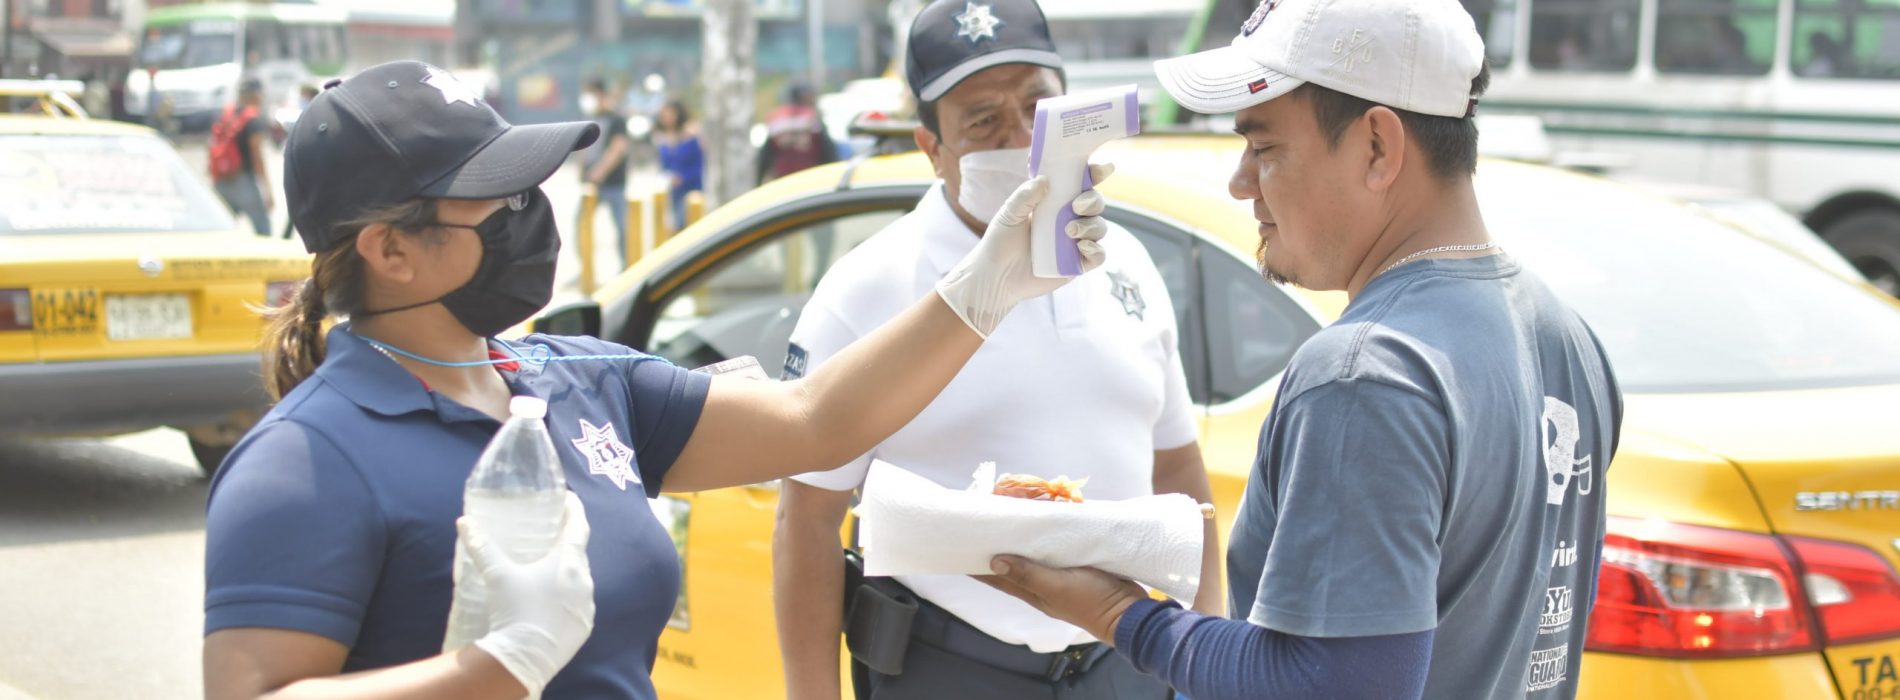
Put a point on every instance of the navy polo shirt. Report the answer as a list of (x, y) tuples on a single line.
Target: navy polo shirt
[(336, 514)]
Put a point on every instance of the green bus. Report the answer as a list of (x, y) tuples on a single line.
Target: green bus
[(191, 58)]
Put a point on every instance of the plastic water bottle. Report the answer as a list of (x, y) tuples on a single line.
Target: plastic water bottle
[(517, 495)]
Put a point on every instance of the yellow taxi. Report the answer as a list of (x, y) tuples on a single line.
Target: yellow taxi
[(127, 295), (1755, 500)]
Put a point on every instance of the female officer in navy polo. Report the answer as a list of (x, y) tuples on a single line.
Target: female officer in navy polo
[(331, 527)]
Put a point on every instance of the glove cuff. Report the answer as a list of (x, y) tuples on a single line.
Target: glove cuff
[(523, 651), (981, 307)]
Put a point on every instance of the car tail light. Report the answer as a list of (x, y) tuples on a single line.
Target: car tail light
[(1666, 589), (277, 294), (16, 310), (1853, 590)]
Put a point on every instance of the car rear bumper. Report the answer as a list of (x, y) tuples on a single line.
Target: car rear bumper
[(102, 396), (1618, 676)]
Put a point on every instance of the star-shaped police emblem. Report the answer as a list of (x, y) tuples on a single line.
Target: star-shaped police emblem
[(606, 454), (976, 23), (452, 90), (1128, 293)]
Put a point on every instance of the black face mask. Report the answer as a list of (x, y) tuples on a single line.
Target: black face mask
[(520, 246)]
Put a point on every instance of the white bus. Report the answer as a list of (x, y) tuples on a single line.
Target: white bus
[(197, 55), (1796, 101)]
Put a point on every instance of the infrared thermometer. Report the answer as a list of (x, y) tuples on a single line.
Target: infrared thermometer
[(1068, 130)]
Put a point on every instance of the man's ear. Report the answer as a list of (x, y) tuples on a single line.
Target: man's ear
[(928, 143), (1385, 157), (384, 252)]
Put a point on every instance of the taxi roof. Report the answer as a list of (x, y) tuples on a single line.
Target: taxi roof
[(43, 125)]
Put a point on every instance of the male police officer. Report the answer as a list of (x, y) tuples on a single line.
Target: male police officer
[(1435, 459), (1113, 407)]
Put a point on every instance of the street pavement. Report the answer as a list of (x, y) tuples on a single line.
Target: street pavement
[(101, 567), (102, 540)]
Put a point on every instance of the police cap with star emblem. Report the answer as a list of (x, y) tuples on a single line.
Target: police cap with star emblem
[(403, 130), (953, 39)]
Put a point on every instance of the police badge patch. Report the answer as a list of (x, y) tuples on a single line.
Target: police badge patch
[(977, 23), (1126, 291)]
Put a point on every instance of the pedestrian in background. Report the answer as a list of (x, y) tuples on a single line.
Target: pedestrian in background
[(237, 157), (604, 164), (795, 136), (677, 139)]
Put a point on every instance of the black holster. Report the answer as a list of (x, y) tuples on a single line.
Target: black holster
[(877, 618)]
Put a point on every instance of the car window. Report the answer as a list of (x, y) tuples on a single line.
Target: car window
[(748, 303), (1174, 255), (1253, 327), (1683, 303), (100, 184)]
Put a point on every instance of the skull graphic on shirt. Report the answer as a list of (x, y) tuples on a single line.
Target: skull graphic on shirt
[(1559, 436)]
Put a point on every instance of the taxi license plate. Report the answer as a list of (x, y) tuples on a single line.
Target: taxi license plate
[(64, 312), (148, 316)]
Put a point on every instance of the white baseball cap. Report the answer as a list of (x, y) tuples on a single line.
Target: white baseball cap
[(1415, 55)]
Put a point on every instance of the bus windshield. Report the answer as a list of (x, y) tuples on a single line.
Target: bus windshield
[(183, 46)]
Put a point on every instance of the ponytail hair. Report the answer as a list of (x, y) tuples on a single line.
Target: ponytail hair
[(293, 335)]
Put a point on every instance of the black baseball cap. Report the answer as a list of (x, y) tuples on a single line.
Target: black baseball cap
[(954, 39), (403, 130)]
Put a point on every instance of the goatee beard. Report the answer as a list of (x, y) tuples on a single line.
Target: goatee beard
[(1260, 256)]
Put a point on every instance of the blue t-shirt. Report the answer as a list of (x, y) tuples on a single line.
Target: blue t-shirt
[(684, 158), (336, 514), (1435, 461)]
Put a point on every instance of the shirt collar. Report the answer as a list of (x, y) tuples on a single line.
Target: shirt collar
[(368, 377), (946, 238), (374, 381)]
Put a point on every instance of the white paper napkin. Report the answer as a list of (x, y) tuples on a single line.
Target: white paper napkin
[(910, 526)]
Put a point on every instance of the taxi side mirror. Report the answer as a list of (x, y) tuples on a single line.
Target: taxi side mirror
[(578, 318)]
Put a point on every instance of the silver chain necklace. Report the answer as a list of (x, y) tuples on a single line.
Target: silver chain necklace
[(1468, 247)]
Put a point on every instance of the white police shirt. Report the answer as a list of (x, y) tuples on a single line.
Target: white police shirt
[(1085, 382)]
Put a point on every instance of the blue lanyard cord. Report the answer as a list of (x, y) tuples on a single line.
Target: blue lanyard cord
[(540, 356)]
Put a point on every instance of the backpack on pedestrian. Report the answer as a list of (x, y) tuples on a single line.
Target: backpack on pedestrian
[(226, 158)]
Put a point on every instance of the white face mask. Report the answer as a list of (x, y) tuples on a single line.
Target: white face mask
[(989, 177), (589, 104)]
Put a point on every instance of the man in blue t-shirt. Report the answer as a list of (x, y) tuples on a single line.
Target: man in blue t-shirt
[(1425, 517)]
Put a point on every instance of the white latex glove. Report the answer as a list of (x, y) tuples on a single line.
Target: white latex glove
[(996, 276), (539, 612)]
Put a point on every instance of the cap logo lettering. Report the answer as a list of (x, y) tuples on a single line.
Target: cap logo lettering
[(1256, 86), (452, 90), (1259, 15), (1354, 51), (977, 23)]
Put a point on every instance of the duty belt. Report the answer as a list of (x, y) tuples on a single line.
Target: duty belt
[(938, 628)]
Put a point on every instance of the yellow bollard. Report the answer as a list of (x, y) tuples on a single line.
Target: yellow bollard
[(662, 216), (584, 237), (695, 206), (638, 227)]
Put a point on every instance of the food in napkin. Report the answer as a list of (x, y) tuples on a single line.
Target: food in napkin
[(912, 526), (1036, 488)]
